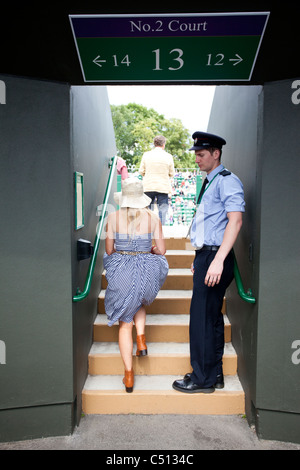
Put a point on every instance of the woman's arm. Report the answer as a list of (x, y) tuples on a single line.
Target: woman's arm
[(110, 240), (160, 246)]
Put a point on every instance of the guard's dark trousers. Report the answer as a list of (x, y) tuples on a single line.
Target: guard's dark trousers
[(206, 320)]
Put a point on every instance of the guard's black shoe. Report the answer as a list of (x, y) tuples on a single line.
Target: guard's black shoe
[(187, 386), (219, 382)]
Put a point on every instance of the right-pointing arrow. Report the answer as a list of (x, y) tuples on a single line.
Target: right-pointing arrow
[(237, 61)]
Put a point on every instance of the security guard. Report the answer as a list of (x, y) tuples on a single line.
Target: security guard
[(213, 232)]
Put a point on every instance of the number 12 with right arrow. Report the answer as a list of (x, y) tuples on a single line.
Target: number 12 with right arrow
[(220, 59)]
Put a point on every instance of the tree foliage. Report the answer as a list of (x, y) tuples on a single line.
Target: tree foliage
[(135, 128)]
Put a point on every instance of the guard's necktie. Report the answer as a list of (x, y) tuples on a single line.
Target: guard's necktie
[(202, 190), (199, 199)]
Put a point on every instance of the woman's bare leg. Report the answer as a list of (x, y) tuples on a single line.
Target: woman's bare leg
[(140, 321), (126, 343)]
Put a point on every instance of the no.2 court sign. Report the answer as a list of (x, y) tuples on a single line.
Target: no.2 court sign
[(168, 47)]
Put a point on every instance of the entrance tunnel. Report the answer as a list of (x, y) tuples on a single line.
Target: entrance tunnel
[(56, 126)]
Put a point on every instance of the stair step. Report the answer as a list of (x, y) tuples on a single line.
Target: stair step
[(180, 258), (150, 382), (163, 358), (178, 243), (179, 279), (159, 328), (155, 395)]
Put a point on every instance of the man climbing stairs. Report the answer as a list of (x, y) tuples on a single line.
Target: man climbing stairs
[(167, 335)]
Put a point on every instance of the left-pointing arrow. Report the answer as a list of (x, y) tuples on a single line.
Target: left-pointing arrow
[(97, 61), (237, 61)]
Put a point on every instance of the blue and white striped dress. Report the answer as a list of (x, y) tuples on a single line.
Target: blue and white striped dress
[(133, 280)]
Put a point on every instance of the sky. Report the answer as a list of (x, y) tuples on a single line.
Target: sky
[(189, 103)]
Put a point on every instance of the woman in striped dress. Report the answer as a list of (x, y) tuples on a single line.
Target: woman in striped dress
[(135, 270)]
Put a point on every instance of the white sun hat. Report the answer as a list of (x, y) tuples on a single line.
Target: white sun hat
[(132, 194)]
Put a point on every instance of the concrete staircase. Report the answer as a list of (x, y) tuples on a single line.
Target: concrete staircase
[(167, 335)]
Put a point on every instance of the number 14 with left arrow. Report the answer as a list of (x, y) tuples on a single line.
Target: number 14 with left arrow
[(125, 61)]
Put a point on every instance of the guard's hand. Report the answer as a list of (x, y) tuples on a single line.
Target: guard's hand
[(192, 268), (214, 273)]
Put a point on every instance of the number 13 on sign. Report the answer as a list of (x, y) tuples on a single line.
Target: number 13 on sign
[(178, 52)]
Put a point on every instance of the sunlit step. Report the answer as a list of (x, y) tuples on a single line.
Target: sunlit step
[(154, 395), (163, 358), (159, 328)]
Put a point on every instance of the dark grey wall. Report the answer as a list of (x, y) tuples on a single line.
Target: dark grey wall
[(261, 127), (278, 378), (234, 116), (93, 145), (35, 279), (48, 131)]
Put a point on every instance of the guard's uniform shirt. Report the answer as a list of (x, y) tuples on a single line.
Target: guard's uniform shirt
[(223, 194)]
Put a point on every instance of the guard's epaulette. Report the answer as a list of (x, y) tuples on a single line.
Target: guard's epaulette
[(225, 173)]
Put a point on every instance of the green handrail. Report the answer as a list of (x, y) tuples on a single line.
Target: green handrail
[(82, 295), (239, 284)]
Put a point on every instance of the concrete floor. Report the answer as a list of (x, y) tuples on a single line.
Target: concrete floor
[(155, 432)]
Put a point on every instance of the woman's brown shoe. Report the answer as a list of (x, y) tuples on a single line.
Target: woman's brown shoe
[(128, 380), (141, 345)]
